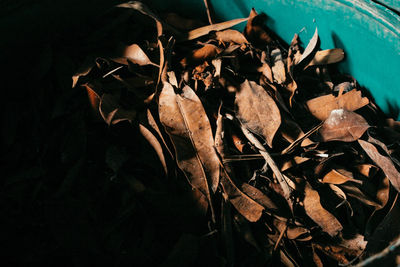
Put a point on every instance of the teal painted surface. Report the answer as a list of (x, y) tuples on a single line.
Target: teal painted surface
[(368, 32), (393, 4)]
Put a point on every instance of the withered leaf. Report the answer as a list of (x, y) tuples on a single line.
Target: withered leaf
[(278, 68), (200, 55), (196, 33), (112, 112), (258, 196), (257, 111), (383, 161), (319, 214), (254, 30), (353, 191), (136, 55), (339, 177), (328, 56), (368, 170), (249, 208), (310, 48), (321, 107), (186, 122), (343, 125), (230, 36)]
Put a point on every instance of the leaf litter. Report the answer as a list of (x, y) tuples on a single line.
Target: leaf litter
[(278, 148)]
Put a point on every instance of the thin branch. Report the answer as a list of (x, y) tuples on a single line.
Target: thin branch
[(373, 260), (208, 7)]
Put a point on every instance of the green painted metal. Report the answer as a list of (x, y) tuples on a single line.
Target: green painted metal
[(368, 32)]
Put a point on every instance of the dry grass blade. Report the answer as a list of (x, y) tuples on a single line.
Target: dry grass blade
[(196, 33)]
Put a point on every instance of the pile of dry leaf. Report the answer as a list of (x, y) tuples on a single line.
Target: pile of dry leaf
[(279, 148)]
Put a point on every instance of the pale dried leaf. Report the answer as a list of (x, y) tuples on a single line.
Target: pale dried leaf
[(343, 125), (321, 107), (278, 68), (328, 56), (257, 111), (259, 197), (312, 45), (230, 36)]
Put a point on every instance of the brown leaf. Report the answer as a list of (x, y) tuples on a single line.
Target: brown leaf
[(246, 206), (328, 56), (319, 214), (196, 33), (353, 191), (339, 177), (198, 56), (295, 161), (230, 36), (112, 112), (259, 196), (383, 161), (136, 55), (257, 111), (278, 68), (368, 170), (343, 125), (186, 122), (254, 30), (321, 107)]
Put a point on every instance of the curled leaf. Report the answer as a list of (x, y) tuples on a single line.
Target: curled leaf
[(328, 56)]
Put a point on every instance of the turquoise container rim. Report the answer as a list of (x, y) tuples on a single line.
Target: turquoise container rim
[(368, 32)]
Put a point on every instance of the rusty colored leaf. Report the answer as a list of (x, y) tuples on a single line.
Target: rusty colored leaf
[(368, 170), (383, 161), (186, 122), (319, 214), (343, 125), (200, 55), (257, 111), (321, 107), (230, 36), (295, 161)]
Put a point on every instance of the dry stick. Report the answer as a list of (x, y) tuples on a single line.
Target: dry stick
[(210, 20), (280, 237), (282, 182), (372, 261)]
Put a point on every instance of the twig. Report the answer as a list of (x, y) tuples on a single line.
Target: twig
[(207, 4), (282, 182), (280, 237), (372, 261)]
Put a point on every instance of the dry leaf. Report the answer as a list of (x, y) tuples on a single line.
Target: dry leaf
[(329, 56), (186, 122), (249, 208), (259, 197), (343, 125), (134, 54), (321, 107), (310, 49), (339, 177), (294, 162), (383, 161), (112, 112), (368, 170), (198, 56), (254, 30), (196, 33), (319, 214), (230, 36), (257, 110), (353, 191), (278, 68)]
